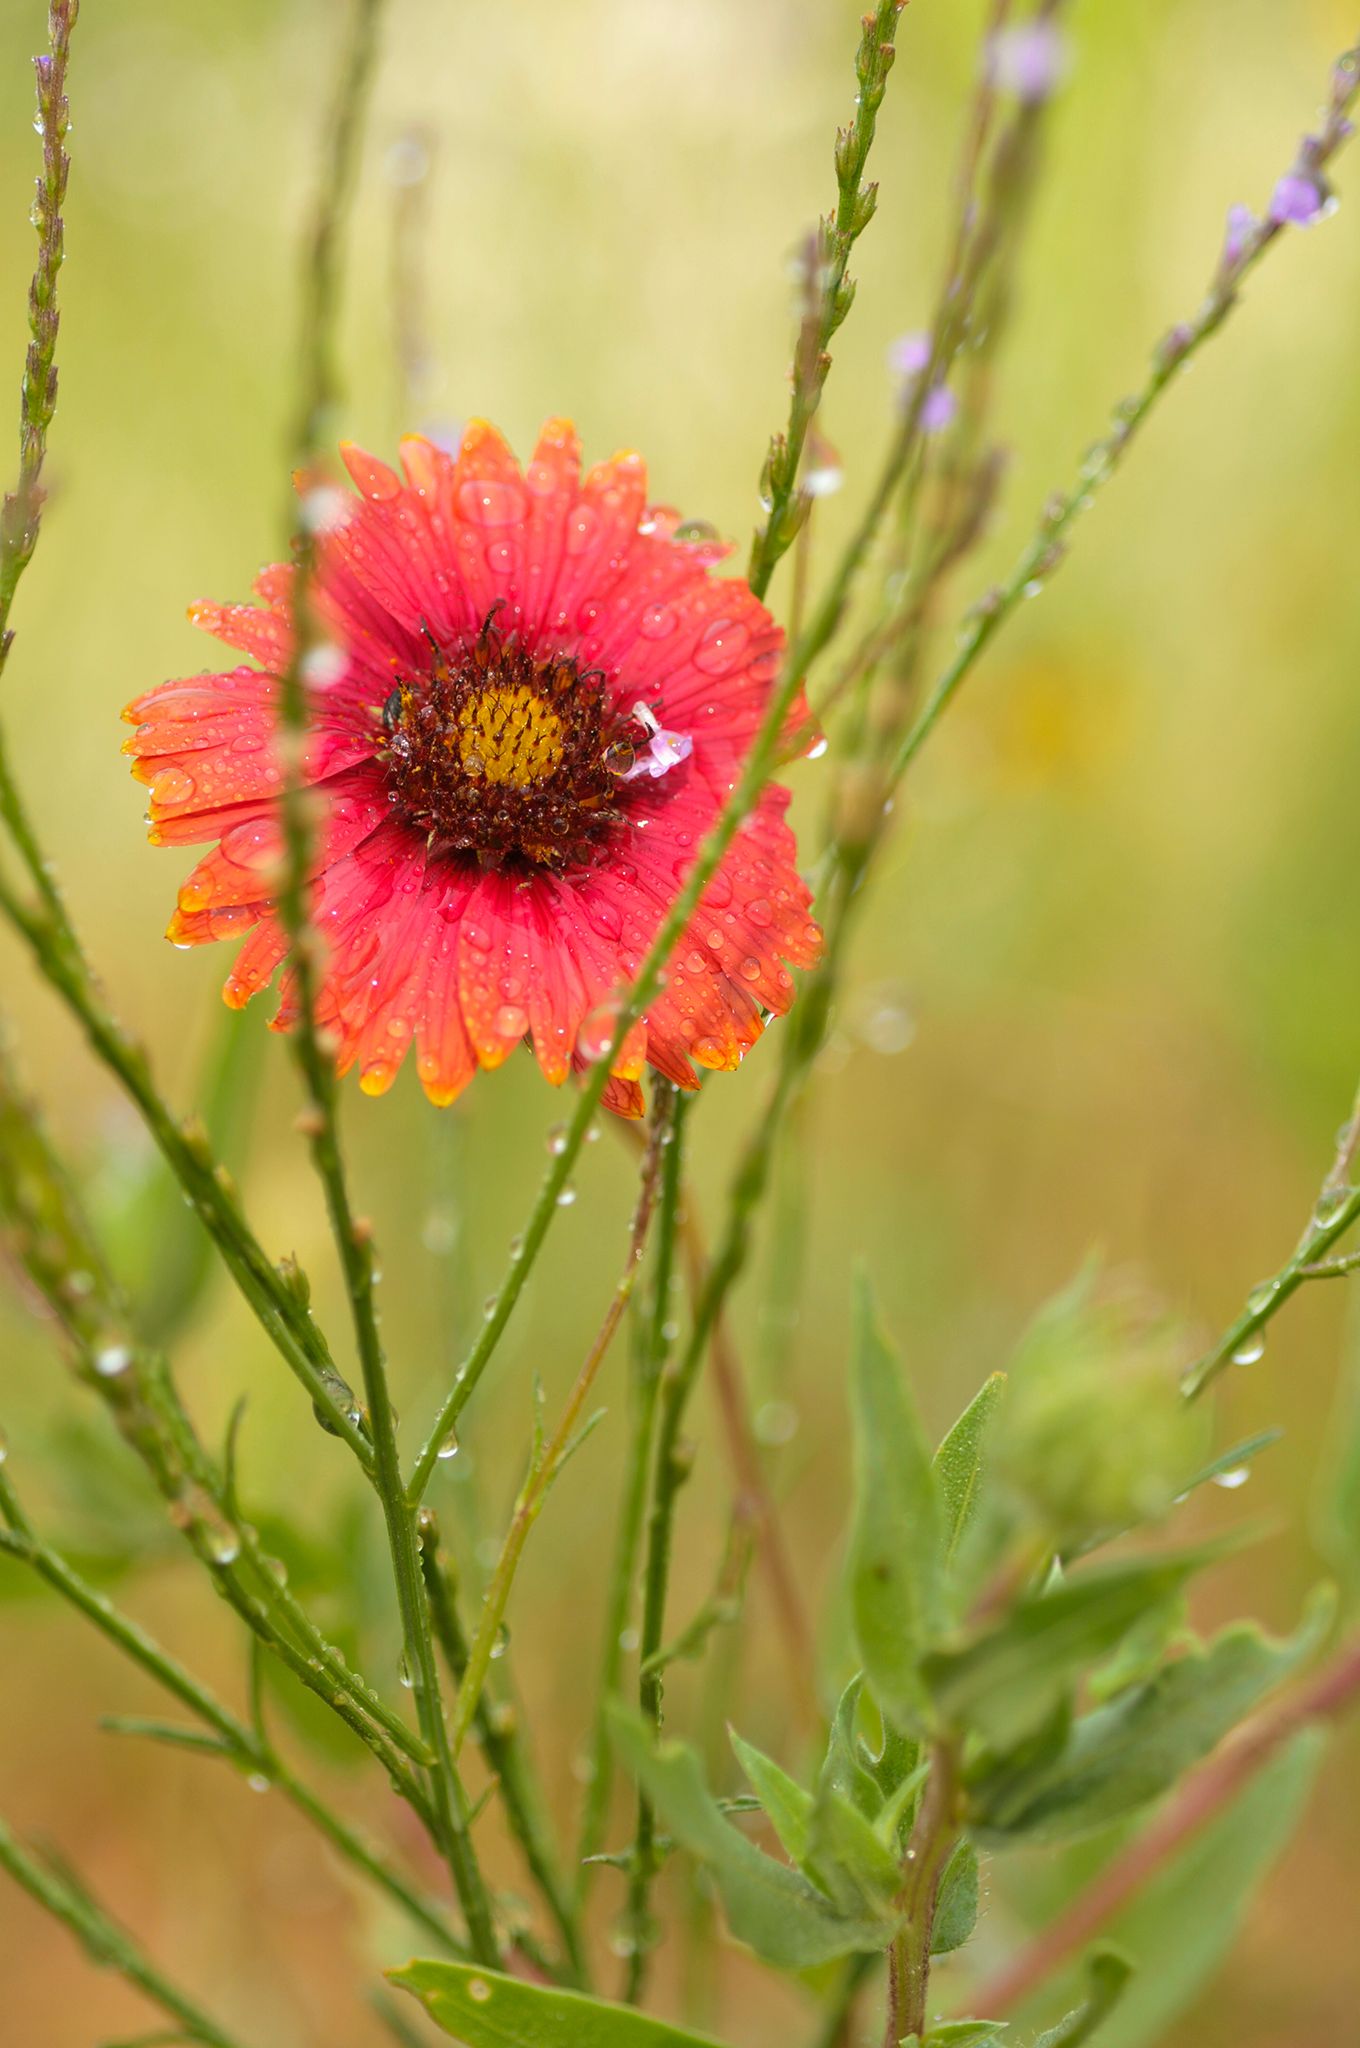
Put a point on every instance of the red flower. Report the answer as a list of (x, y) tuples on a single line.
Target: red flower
[(536, 699)]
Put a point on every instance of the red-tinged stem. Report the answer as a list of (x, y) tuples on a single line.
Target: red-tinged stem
[(1200, 1800)]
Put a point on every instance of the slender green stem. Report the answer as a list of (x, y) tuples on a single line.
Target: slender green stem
[(652, 1346), (52, 1239), (247, 1747), (548, 1461), (1178, 349), (788, 505), (105, 1942), (1309, 1262), (321, 279), (834, 2030), (22, 509), (934, 1837), (498, 1733)]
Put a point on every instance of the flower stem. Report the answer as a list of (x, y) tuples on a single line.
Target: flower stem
[(1206, 1793), (548, 1461), (247, 1747), (788, 504), (934, 1837), (106, 1943), (652, 1345), (505, 1753)]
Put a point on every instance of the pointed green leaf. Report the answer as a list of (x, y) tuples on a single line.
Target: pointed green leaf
[(847, 1859), (846, 1765), (895, 1551), (956, 1909), (775, 1910), (1181, 1926), (1107, 1973), (1010, 1680), (483, 2009), (785, 1804), (958, 1461), (1129, 1752)]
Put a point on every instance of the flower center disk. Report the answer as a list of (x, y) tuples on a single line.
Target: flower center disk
[(511, 759)]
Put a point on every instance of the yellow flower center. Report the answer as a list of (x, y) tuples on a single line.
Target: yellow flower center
[(509, 735)]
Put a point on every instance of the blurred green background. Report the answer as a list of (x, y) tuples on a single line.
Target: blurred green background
[(1108, 994)]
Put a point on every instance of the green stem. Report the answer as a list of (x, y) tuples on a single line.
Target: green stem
[(499, 1737), (548, 1462), (107, 1944), (651, 1350), (934, 1837), (836, 237), (248, 1748)]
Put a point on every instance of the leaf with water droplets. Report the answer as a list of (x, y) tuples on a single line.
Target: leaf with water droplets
[(483, 2009)]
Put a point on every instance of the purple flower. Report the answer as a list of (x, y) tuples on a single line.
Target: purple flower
[(1300, 197), (1030, 60), (909, 354), (1241, 225), (938, 410)]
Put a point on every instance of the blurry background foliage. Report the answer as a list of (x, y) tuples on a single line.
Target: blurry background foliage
[(1109, 991)]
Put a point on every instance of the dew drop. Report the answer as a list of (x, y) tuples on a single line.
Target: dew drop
[(448, 1448), (112, 1360), (557, 1140), (1236, 1476), (566, 1196), (1250, 1349)]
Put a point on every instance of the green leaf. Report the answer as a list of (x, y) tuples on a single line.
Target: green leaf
[(958, 1461), (786, 1805), (1129, 1752), (775, 1910), (1182, 1924), (483, 2009), (847, 1859), (956, 1909), (957, 2034), (1107, 1973), (1009, 1681), (895, 1547), (847, 1763)]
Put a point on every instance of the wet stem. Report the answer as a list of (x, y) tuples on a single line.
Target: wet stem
[(934, 1836)]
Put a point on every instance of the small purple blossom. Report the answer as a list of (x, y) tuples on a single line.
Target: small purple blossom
[(663, 751), (1242, 224), (938, 410), (909, 354), (1300, 197), (1030, 60)]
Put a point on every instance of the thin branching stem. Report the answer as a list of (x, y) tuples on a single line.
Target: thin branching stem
[(105, 1942), (318, 385), (246, 1747), (548, 1459), (652, 1343), (1332, 1692), (507, 1757)]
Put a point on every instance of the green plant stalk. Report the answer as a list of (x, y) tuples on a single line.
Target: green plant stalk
[(834, 2029), (58, 1250), (548, 1461), (759, 765), (499, 1737), (48, 930), (850, 857), (247, 1746), (1268, 1299), (788, 505), (105, 1942), (651, 1349), (1178, 349), (934, 1836), (1330, 1693), (321, 284), (285, 1321)]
